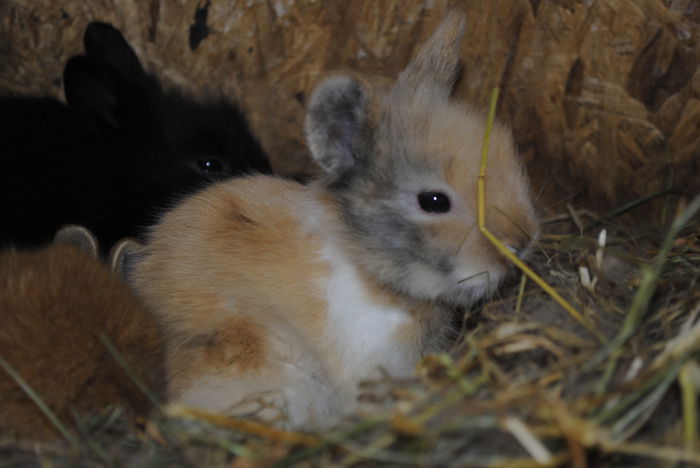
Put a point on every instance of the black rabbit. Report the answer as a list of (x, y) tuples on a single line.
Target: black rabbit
[(120, 151)]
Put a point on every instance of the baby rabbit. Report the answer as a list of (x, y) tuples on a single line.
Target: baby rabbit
[(279, 297), (54, 302), (121, 151)]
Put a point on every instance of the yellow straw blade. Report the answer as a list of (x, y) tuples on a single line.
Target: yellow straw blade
[(481, 213)]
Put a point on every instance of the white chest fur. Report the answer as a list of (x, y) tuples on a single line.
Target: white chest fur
[(364, 336), (359, 343), (361, 333)]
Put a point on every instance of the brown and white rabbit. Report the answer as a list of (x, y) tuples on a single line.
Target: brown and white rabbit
[(281, 296), (54, 303)]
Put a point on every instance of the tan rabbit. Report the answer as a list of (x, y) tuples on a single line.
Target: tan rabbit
[(282, 297), (54, 302)]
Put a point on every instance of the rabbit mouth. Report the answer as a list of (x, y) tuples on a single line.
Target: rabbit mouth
[(474, 286)]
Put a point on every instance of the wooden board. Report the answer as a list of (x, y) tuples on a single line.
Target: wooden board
[(604, 95)]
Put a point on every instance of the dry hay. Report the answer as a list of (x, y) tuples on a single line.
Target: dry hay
[(608, 109)]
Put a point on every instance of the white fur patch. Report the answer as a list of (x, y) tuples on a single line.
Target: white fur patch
[(361, 332)]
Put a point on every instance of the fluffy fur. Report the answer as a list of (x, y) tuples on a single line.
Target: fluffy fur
[(281, 298), (120, 152), (54, 302)]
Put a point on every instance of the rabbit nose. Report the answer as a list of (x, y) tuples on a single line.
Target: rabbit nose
[(520, 247)]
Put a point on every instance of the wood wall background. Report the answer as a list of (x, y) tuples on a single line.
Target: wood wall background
[(604, 95)]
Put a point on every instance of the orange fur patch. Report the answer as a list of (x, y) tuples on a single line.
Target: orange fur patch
[(224, 256), (53, 304)]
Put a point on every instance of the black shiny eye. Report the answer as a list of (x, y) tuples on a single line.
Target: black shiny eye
[(434, 202), (210, 165)]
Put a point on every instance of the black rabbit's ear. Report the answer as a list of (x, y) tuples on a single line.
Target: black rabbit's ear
[(91, 90), (107, 88), (105, 42)]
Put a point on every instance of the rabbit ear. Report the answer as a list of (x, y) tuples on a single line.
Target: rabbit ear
[(91, 90), (78, 236), (335, 124), (124, 256), (107, 88), (106, 43), (436, 66)]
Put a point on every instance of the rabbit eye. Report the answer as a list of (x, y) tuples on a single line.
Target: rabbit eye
[(434, 202), (210, 165)]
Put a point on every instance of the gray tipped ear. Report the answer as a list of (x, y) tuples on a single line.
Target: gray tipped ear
[(335, 123), (77, 236), (437, 64), (124, 256)]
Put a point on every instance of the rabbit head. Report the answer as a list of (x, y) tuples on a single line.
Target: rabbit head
[(165, 143), (402, 166)]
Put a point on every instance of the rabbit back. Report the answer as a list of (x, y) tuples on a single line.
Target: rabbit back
[(54, 303)]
